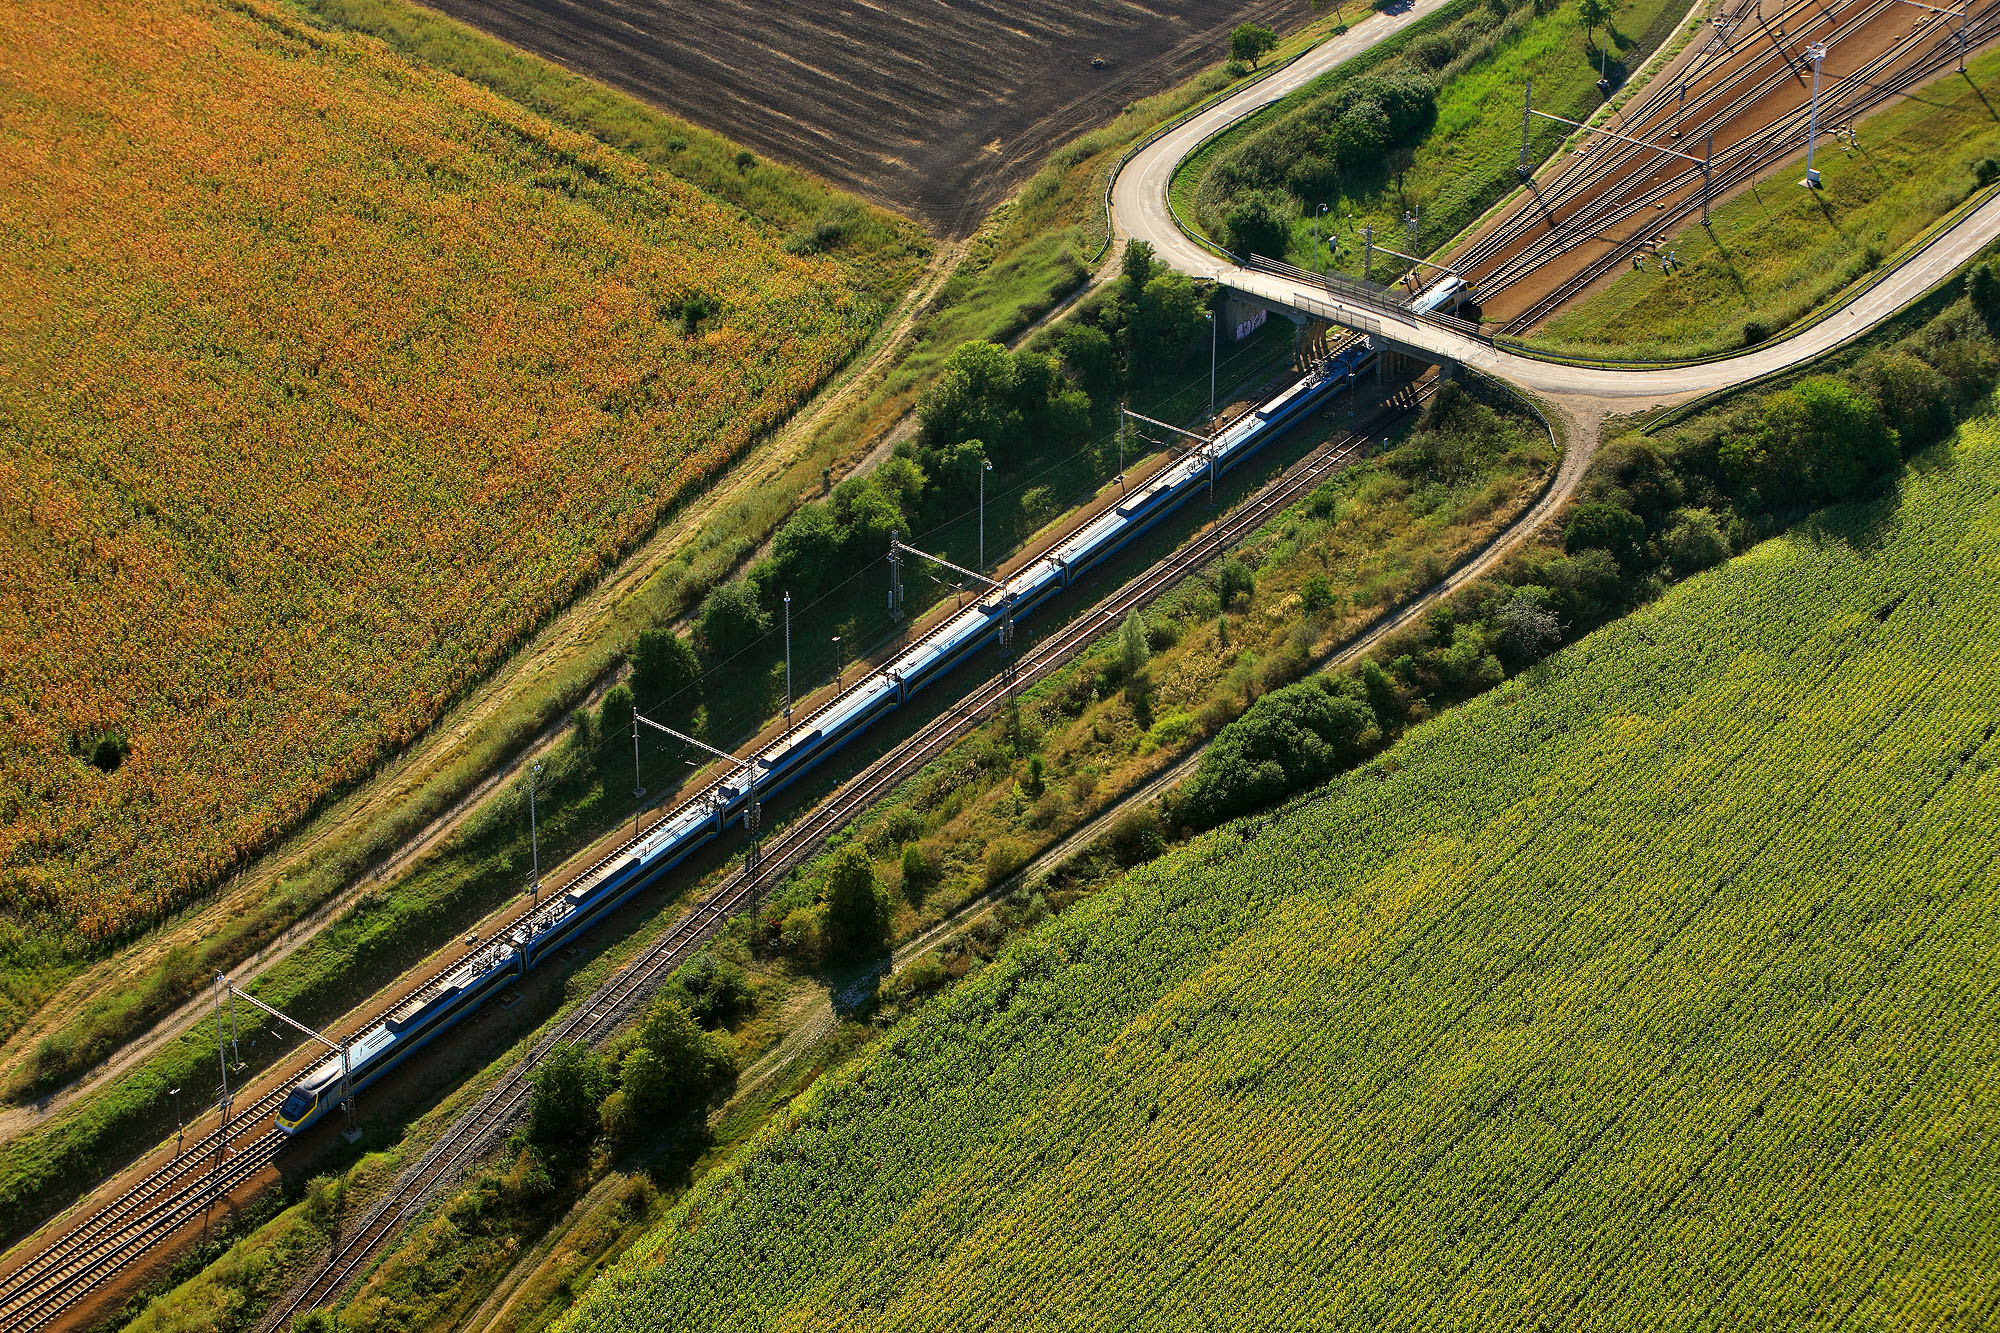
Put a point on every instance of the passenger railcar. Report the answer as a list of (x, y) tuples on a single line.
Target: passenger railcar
[(553, 924)]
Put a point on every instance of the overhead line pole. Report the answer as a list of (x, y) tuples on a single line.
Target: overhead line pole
[(899, 548), (339, 1048), (753, 812), (1204, 442)]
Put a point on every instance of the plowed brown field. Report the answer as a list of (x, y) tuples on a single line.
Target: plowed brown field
[(933, 107)]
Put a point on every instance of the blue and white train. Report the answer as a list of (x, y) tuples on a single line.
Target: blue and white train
[(434, 1010)]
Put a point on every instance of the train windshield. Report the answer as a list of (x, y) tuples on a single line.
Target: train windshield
[(296, 1105)]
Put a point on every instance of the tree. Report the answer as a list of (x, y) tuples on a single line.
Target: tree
[(1606, 527), (1982, 285), (1529, 631), (665, 672), (1137, 266), (857, 906), (673, 1065), (732, 619), (1316, 596), (563, 1117), (1251, 42), (1133, 654), (1258, 223), (1593, 12), (614, 715)]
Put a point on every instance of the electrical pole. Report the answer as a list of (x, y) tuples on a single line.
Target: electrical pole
[(1817, 54), (638, 788), (1317, 217), (180, 1125), (838, 666), (535, 838), (1707, 162), (895, 583), (788, 660), (1212, 322), (985, 466), (1367, 252)]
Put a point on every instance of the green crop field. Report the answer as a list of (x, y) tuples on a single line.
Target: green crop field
[(1656, 988)]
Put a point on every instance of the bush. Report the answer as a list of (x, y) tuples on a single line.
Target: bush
[(714, 990), (665, 674), (918, 872), (857, 906), (1258, 223), (1291, 737), (1233, 579), (1694, 542), (1316, 596), (1606, 527), (1817, 441)]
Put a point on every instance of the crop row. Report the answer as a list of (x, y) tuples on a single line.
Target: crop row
[(1657, 989), (329, 377)]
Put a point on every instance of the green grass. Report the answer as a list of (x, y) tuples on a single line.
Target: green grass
[(1465, 163), (1656, 988), (1776, 252)]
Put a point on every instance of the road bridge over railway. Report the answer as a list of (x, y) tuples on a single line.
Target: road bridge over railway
[(1141, 210)]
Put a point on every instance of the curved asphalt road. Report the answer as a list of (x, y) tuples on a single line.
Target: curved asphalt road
[(1139, 211)]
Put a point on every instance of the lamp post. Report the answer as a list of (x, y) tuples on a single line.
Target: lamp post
[(985, 466), (180, 1125), (534, 838), (838, 666), (788, 659), (1316, 221)]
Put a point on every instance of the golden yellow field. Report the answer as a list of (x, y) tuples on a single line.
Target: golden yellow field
[(324, 377)]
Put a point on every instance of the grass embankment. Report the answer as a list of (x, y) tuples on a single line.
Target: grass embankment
[(1775, 253), (1451, 155), (367, 414), (1676, 955)]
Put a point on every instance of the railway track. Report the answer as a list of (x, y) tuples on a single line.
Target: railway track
[(105, 1242), (35, 1295), (1701, 99), (604, 1011)]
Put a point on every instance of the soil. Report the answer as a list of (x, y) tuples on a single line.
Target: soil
[(935, 108)]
